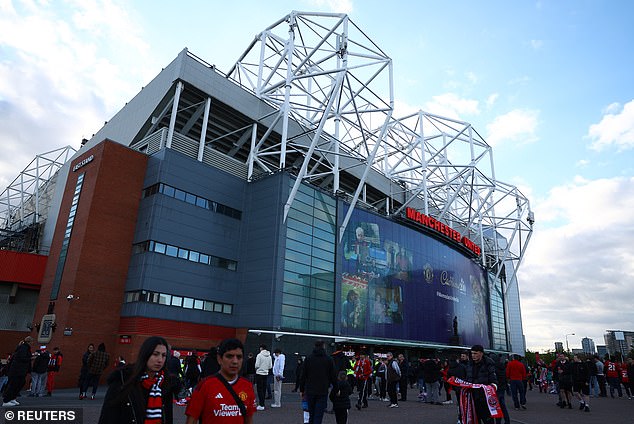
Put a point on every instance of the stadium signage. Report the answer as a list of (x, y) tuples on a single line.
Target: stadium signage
[(445, 230), (83, 162)]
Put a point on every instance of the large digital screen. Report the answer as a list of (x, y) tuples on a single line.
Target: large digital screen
[(398, 283)]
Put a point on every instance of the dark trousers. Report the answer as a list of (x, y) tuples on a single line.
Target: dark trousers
[(260, 381), (341, 416), (402, 388), (519, 395), (91, 380), (316, 407), (269, 382), (391, 391), (363, 387), (505, 411), (14, 385), (615, 384), (602, 389), (481, 407)]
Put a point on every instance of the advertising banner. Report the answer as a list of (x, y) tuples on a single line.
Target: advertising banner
[(402, 284)]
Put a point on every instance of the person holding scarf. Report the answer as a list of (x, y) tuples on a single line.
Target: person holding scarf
[(141, 392)]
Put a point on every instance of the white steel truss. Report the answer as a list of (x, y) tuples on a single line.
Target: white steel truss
[(321, 72), (27, 199)]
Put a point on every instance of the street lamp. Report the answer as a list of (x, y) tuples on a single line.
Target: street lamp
[(567, 348)]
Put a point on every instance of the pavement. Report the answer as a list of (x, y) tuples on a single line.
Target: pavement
[(541, 409)]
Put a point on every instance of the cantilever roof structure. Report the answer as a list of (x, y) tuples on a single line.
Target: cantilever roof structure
[(323, 73), (313, 95)]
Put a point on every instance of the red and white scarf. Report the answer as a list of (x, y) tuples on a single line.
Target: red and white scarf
[(154, 407), (467, 406)]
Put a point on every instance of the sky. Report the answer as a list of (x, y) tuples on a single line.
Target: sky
[(548, 84)]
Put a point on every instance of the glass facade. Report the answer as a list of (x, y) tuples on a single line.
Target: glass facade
[(192, 199), (59, 271), (308, 292), (498, 323), (178, 301), (187, 254)]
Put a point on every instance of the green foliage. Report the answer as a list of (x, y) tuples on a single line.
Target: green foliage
[(547, 357)]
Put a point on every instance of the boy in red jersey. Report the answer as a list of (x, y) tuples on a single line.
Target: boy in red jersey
[(213, 401)]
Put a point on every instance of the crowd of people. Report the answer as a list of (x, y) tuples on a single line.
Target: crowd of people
[(38, 368), (220, 387)]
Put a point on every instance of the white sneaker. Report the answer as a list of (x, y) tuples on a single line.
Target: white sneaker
[(15, 402), (9, 404), (394, 405), (260, 408), (276, 406)]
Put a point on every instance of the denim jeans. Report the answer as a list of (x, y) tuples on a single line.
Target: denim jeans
[(316, 407)]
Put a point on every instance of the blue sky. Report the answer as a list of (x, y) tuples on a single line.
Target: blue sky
[(548, 84)]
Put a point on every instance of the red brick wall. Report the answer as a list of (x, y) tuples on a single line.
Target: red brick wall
[(97, 265), (98, 254)]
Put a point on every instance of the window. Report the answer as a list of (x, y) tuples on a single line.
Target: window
[(192, 199), (177, 301)]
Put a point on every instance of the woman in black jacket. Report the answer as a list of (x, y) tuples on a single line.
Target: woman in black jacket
[(340, 398), (142, 392)]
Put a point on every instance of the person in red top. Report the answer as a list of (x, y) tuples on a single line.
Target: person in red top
[(629, 381), (362, 373), (516, 374), (613, 375), (54, 363), (224, 397)]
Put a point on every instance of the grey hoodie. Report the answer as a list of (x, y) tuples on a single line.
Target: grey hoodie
[(263, 362)]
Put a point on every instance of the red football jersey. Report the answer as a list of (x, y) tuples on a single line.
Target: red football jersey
[(612, 369), (212, 403), (625, 378)]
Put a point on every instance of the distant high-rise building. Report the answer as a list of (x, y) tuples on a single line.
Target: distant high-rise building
[(559, 347), (588, 346), (619, 341), (602, 350)]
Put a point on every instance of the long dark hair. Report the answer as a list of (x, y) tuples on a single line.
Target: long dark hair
[(146, 350)]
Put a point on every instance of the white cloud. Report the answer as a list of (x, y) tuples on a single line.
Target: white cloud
[(63, 71), (518, 126), (492, 99), (582, 163), (615, 129), (338, 6), (579, 268), (537, 44), (471, 77), (523, 80), (450, 105)]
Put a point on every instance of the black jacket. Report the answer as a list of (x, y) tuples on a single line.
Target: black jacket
[(209, 365), (500, 371), (457, 369), (579, 372), (20, 361), (173, 366), (483, 372), (431, 371), (340, 395), (318, 375), (129, 408), (40, 364)]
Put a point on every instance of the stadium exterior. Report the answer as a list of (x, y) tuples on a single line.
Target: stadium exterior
[(278, 203)]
